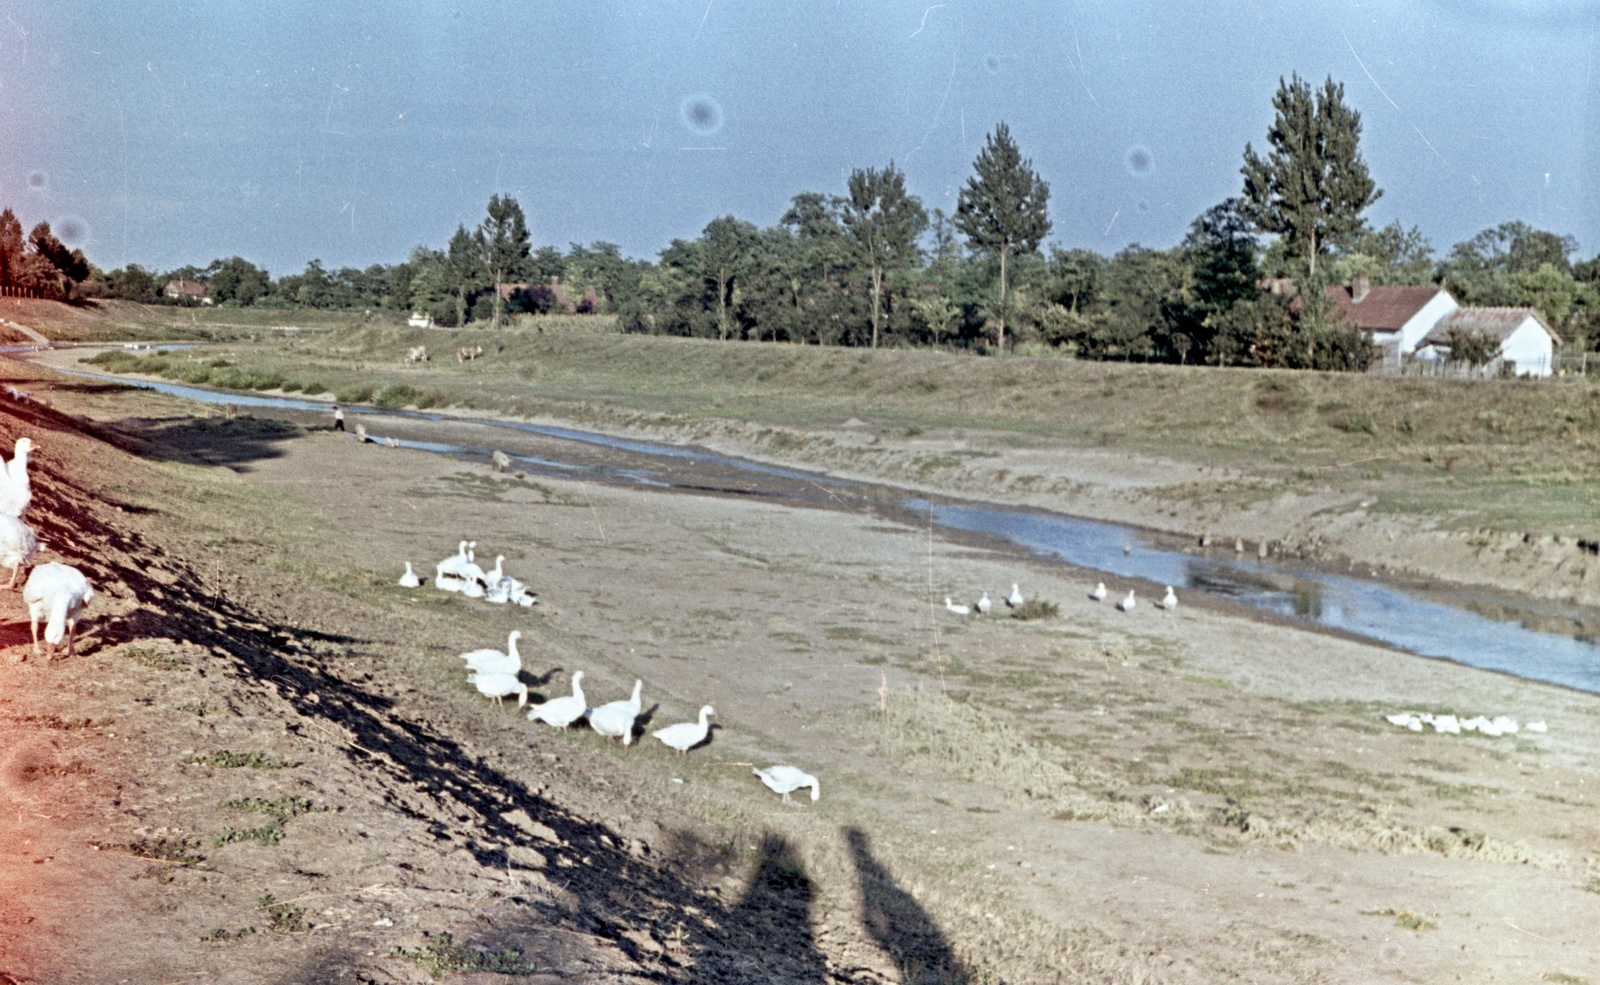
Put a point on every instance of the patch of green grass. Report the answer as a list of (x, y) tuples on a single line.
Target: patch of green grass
[(441, 955), (149, 657), (1036, 609), (285, 918), (226, 759), (1405, 918), (267, 834), (1563, 978), (283, 808), (179, 850)]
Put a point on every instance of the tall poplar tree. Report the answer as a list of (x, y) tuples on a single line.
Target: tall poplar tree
[(1003, 208), (1313, 185), (463, 267), (884, 223), (504, 245)]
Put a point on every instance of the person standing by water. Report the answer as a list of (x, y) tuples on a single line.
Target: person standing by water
[(338, 418)]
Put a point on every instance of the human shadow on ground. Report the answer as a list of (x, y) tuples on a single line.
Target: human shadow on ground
[(777, 899), (899, 924)]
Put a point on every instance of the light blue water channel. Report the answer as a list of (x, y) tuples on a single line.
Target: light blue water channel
[(1367, 607)]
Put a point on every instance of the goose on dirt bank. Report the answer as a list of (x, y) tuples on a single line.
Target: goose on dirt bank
[(1128, 604), (960, 610), (472, 588), (446, 582), (615, 718), (56, 592), (1099, 594), (686, 735), (409, 579), (15, 490), (452, 564), (984, 605), (788, 779), (18, 543), (1015, 598), (495, 662), (498, 686), (1169, 601), (562, 711)]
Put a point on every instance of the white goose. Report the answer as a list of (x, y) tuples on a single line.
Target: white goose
[(1015, 598), (984, 605), (615, 718), (495, 662), (409, 579), (498, 686), (444, 581), (960, 610), (472, 588), (57, 592), (1169, 601), (1128, 604), (1099, 594), (18, 543), (787, 779), (562, 711), (452, 564), (15, 491), (686, 735)]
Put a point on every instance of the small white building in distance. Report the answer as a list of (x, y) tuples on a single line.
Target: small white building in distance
[(419, 320), (1527, 345), (1397, 317)]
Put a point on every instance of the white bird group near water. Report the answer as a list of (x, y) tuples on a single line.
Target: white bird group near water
[(460, 573), (54, 592), (1129, 602), (984, 605), (1497, 726)]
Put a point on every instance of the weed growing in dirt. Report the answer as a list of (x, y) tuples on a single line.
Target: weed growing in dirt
[(1036, 609), (286, 918), (224, 934), (1405, 918), (148, 657), (441, 955), (178, 850), (267, 834), (227, 759), (1563, 978)]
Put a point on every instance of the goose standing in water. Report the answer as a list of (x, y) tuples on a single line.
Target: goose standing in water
[(15, 490), (686, 735), (409, 579), (1099, 594), (562, 711), (788, 779), (1128, 604), (494, 661), (1169, 601), (615, 718), (56, 592)]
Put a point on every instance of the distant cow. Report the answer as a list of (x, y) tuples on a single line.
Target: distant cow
[(468, 352), (417, 354)]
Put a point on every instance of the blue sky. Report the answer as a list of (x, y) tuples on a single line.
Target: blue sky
[(168, 133)]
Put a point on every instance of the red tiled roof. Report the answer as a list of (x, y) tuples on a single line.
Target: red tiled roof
[(1384, 309), (1496, 322), (192, 288)]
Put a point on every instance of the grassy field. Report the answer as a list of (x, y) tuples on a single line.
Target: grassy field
[(1510, 454)]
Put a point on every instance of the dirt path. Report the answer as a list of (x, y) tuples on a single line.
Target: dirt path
[(1094, 797)]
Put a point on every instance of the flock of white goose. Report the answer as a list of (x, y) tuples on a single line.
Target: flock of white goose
[(54, 591), (1497, 726), (497, 674), (983, 606)]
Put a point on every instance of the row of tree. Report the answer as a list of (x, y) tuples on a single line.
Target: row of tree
[(873, 266), (40, 265)]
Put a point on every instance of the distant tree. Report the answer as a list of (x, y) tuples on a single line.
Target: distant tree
[(133, 283), (546, 263), (823, 240), (463, 270), (1313, 185), (11, 248), (884, 223), (238, 280), (71, 266), (1471, 346), (726, 245), (1003, 209), (311, 288), (505, 247), (1401, 255), (1222, 251)]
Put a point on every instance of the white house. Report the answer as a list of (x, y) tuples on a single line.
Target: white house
[(1398, 317), (1527, 345), (420, 320)]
